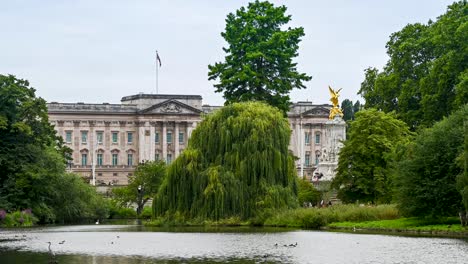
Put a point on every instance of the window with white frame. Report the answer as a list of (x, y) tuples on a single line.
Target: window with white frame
[(84, 137), (68, 136), (99, 137)]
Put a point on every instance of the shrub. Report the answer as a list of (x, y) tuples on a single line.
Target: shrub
[(17, 218)]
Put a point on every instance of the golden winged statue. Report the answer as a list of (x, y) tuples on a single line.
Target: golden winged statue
[(334, 99)]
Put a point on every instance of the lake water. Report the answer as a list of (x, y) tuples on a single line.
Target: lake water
[(132, 244)]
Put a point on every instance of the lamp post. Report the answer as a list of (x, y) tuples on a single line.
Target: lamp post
[(139, 200)]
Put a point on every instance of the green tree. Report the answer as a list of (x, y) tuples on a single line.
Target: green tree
[(363, 171), (142, 186), (427, 170), (348, 111), (356, 108), (237, 164), (259, 62), (307, 193), (30, 151), (32, 161), (425, 77)]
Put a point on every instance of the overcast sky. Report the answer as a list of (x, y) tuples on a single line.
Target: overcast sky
[(99, 51)]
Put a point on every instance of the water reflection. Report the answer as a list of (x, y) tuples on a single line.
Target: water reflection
[(131, 244)]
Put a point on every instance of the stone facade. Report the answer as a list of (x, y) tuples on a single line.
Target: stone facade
[(116, 137)]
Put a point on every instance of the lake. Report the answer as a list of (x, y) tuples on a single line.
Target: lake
[(135, 244)]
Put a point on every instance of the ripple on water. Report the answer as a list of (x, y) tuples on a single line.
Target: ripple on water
[(85, 244)]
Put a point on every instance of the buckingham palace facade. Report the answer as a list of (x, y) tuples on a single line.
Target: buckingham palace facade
[(109, 140)]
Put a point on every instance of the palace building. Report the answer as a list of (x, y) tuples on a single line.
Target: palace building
[(109, 140)]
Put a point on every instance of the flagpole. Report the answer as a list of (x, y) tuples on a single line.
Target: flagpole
[(156, 72)]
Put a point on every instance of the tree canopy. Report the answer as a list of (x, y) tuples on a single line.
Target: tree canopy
[(363, 167), (32, 160), (237, 164), (259, 62), (142, 186), (427, 170), (426, 77)]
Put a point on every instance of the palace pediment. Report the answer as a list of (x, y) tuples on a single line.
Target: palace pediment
[(317, 111), (171, 107)]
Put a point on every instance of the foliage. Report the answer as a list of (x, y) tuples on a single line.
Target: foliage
[(307, 193), (426, 77), (258, 65), (426, 171), (462, 162), (237, 164), (116, 211), (363, 167), (32, 160), (348, 111), (318, 217), (23, 218), (72, 199), (142, 186)]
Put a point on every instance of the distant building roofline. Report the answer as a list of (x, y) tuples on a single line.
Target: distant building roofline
[(161, 96)]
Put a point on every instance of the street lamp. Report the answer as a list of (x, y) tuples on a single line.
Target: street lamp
[(139, 201)]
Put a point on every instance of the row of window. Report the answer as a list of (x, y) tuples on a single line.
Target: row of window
[(99, 159), (169, 137), (307, 138), (115, 137), (115, 159), (168, 157), (307, 159)]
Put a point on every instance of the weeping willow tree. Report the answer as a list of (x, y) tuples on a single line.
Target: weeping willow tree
[(237, 164)]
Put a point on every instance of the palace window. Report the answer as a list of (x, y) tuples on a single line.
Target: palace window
[(99, 159), (317, 157), (307, 138), (68, 136), (115, 158), (130, 137), (115, 137), (156, 156), (169, 137), (156, 137), (84, 159), (307, 160), (169, 158), (99, 137), (181, 138), (317, 138), (84, 136), (130, 159)]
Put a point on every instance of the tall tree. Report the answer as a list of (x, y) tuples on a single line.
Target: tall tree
[(237, 164), (348, 111), (259, 62), (27, 141), (427, 170), (425, 77), (32, 160), (142, 186), (363, 168), (356, 108)]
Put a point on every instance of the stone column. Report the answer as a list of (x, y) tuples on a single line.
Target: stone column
[(298, 141), (164, 141), (141, 140), (176, 142), (152, 145)]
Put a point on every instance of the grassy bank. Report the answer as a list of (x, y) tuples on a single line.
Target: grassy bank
[(314, 218), (433, 226)]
